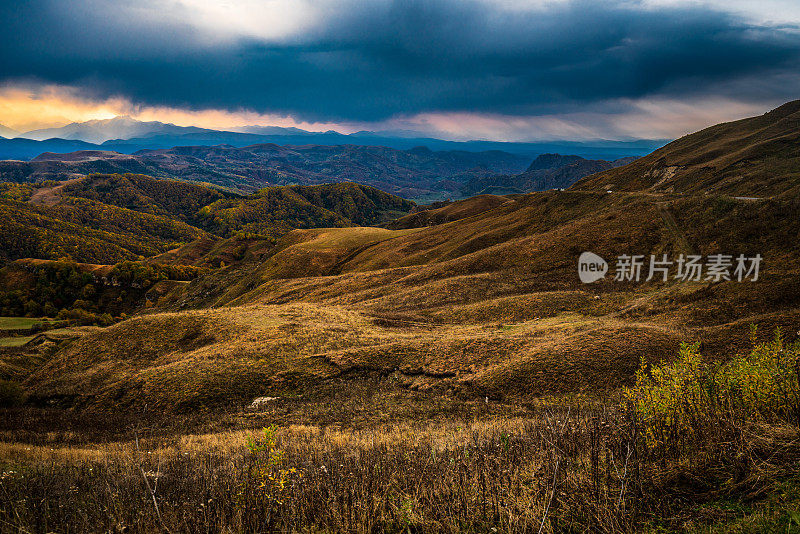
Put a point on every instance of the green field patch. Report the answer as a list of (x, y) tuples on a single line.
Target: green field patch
[(14, 341), (27, 323), (18, 323)]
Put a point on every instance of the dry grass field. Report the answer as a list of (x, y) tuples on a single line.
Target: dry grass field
[(375, 459), (449, 378), (446, 373), (486, 305)]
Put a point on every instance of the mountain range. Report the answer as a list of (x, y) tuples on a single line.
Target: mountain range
[(418, 173), (478, 298), (127, 135), (101, 130), (415, 173)]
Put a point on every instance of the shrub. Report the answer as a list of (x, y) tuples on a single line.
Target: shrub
[(267, 469), (764, 384), (667, 396), (687, 397), (49, 310), (81, 317)]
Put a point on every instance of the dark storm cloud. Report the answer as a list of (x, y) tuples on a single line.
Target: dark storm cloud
[(403, 57)]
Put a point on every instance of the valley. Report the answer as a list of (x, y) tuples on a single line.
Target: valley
[(449, 350), (400, 267), (418, 173)]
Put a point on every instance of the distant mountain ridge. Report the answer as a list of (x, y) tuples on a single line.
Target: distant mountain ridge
[(414, 173), (25, 149), (418, 173), (101, 130), (127, 135), (7, 132)]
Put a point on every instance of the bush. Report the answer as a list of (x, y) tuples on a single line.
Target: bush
[(267, 469), (764, 384), (684, 399), (80, 317), (49, 310), (11, 394)]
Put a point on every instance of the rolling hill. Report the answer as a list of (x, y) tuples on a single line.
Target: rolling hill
[(86, 230), (111, 218), (486, 305), (478, 298), (109, 221), (754, 157), (449, 211), (166, 198)]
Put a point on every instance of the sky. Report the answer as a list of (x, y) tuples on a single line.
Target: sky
[(511, 70)]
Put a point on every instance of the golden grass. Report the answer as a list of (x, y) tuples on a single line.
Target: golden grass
[(180, 361), (564, 467), (485, 305), (441, 435)]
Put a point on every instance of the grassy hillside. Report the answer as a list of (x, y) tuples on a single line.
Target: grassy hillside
[(449, 212), (364, 206), (755, 157), (276, 210), (484, 305), (167, 198), (110, 218), (553, 405), (86, 230), (102, 220)]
